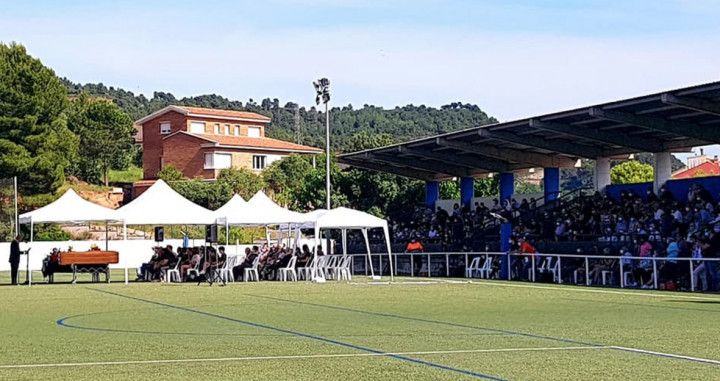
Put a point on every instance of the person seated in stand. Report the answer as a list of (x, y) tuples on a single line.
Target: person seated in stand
[(319, 251), (250, 255), (148, 266)]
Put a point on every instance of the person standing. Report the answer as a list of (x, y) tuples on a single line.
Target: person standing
[(15, 258)]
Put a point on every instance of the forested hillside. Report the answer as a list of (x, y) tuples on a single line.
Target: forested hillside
[(308, 125)]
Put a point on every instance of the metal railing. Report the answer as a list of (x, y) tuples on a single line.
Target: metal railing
[(453, 264)]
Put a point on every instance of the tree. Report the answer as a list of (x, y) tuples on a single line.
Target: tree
[(285, 178), (487, 187), (631, 172), (35, 142), (241, 181), (312, 195), (169, 174), (106, 137)]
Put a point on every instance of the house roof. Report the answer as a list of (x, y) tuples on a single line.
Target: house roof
[(208, 113), (708, 168), (256, 143), (242, 142)]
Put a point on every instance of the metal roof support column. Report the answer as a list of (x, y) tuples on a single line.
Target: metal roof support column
[(507, 187), (602, 173), (662, 169), (551, 183), (467, 191), (432, 193)]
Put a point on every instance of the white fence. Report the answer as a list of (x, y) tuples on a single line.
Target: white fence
[(455, 264)]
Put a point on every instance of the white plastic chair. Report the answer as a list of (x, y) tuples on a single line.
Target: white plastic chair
[(225, 273), (288, 271), (252, 271), (173, 273), (306, 272), (329, 266), (195, 270), (604, 274), (472, 269), (485, 270), (343, 269)]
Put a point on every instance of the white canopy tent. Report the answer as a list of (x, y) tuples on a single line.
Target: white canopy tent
[(346, 219), (231, 208), (69, 208), (261, 211), (161, 205)]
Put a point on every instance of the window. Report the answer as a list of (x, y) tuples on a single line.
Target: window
[(254, 132), (258, 162), (217, 128), (197, 127), (218, 160), (237, 130), (165, 128), (227, 129)]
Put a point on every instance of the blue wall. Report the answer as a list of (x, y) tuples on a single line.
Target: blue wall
[(639, 189), (679, 188)]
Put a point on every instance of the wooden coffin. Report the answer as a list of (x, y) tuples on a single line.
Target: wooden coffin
[(88, 257)]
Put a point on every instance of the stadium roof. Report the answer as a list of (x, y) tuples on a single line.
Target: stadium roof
[(672, 121)]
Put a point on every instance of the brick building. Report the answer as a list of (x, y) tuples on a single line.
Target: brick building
[(200, 142)]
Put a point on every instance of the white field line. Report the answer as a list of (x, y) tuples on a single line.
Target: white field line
[(681, 357), (295, 357), (590, 290)]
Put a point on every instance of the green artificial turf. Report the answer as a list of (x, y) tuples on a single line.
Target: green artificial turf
[(335, 331)]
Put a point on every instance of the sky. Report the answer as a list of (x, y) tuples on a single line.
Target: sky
[(514, 59)]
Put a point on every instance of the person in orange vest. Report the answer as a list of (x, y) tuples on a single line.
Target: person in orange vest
[(414, 246), (530, 251)]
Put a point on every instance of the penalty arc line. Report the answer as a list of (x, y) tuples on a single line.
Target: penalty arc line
[(307, 336), (294, 357)]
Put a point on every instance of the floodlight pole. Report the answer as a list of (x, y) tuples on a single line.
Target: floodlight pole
[(327, 156)]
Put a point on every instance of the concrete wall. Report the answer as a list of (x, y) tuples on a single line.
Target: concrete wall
[(448, 204)]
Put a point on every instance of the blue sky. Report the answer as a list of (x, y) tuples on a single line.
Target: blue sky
[(512, 58)]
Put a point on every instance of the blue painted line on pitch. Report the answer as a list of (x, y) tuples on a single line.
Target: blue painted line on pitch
[(478, 328), (64, 323), (308, 336), (523, 334)]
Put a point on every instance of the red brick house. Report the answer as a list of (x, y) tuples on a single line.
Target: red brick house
[(200, 142), (701, 166)]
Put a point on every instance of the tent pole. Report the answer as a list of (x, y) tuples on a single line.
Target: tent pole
[(32, 227), (124, 231), (227, 233), (367, 246), (344, 241), (389, 251), (106, 235)]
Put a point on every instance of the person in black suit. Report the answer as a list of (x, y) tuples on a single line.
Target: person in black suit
[(15, 258)]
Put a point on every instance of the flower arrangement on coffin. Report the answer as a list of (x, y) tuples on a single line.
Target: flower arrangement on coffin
[(94, 247)]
